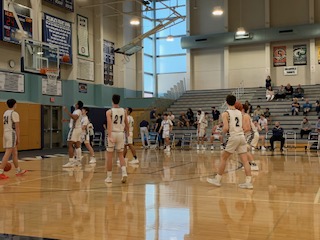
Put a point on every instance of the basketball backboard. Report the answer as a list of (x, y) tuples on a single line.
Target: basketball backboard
[(38, 56)]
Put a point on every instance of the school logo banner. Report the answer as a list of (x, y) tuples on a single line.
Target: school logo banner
[(279, 56), (300, 54)]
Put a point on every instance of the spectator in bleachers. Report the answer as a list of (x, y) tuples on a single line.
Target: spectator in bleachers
[(257, 113), (183, 120), (268, 82), (305, 127), (263, 122), (318, 107), (171, 117), (277, 135), (295, 107), (269, 94), (190, 116), (262, 137), (281, 94), (299, 92), (306, 107), (249, 107), (215, 116), (289, 90), (267, 115)]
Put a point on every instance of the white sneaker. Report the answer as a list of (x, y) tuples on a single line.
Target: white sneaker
[(254, 167), (108, 180), (198, 147), (214, 181), (68, 165), (252, 148), (92, 160), (203, 148), (134, 161), (221, 148), (212, 148), (77, 164), (246, 185), (124, 177), (263, 148)]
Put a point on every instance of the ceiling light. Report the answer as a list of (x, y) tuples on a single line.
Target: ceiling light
[(217, 11), (170, 38), (241, 31), (135, 21)]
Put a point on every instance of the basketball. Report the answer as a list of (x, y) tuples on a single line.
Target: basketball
[(65, 58), (43, 71), (7, 167), (238, 105)]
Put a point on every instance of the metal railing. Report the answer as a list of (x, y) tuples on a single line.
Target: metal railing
[(238, 93)]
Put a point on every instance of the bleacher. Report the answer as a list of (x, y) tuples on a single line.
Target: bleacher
[(280, 110)]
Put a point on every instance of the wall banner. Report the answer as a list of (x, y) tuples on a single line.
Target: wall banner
[(66, 4), (108, 74), (83, 36), (279, 56), (108, 52), (290, 71), (300, 54), (58, 32)]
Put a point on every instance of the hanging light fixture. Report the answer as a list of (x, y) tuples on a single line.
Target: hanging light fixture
[(170, 38), (135, 21), (217, 11)]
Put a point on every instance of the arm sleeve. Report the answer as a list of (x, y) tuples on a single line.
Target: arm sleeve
[(15, 117)]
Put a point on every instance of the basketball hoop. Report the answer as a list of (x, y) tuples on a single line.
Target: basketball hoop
[(52, 75)]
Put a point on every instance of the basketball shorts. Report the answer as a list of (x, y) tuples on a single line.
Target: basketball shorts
[(118, 144), (202, 132), (85, 138), (216, 136), (9, 139), (165, 134), (252, 139), (130, 138), (74, 135), (236, 143)]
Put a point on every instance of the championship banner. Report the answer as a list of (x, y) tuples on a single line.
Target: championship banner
[(58, 32), (108, 74), (300, 54), (279, 56), (83, 36), (66, 4), (108, 52)]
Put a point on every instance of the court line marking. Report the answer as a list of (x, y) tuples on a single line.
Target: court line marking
[(317, 197)]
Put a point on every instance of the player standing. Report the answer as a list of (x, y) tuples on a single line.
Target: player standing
[(202, 126), (117, 125), (232, 123), (85, 133), (217, 135), (130, 138), (11, 138), (74, 135), (166, 126)]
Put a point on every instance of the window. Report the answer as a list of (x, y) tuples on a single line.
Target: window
[(171, 64), (166, 48)]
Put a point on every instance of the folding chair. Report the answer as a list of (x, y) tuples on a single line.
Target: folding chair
[(186, 141), (153, 140), (291, 136), (313, 141), (97, 139), (173, 140)]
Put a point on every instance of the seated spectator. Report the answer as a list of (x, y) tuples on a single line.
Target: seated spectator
[(262, 137), (295, 107), (305, 127), (281, 94), (317, 107), (267, 115), (269, 94), (215, 116), (171, 117), (318, 131), (257, 113), (306, 107), (250, 110), (289, 90), (277, 135), (183, 120), (190, 116), (268, 82), (263, 122), (217, 135), (299, 92)]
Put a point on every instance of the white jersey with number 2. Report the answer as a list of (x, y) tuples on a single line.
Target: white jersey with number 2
[(235, 122), (117, 116)]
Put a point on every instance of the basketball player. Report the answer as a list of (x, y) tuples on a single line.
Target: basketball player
[(232, 123), (252, 137), (74, 135), (85, 137), (166, 126), (202, 126), (217, 135), (117, 125), (130, 138), (11, 138)]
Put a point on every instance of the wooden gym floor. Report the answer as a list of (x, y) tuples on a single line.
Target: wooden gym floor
[(166, 197)]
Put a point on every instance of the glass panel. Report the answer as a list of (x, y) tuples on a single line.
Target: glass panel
[(147, 25), (165, 48), (176, 30), (148, 46), (148, 64), (148, 83), (171, 64)]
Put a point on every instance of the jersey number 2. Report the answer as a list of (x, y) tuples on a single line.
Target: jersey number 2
[(237, 121), (116, 118)]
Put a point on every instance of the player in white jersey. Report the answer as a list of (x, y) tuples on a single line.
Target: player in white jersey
[(166, 126), (232, 123), (117, 126), (217, 135), (85, 136), (252, 136), (129, 142), (11, 138), (202, 126), (74, 135)]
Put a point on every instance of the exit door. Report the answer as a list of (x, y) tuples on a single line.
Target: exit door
[(52, 126)]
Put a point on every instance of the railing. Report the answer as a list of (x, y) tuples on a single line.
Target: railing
[(175, 91), (238, 93)]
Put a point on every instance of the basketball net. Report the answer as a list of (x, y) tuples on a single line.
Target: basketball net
[(52, 76)]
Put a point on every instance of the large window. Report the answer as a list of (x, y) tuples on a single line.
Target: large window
[(162, 56)]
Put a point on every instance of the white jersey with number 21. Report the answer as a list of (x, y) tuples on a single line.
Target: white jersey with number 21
[(117, 116)]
